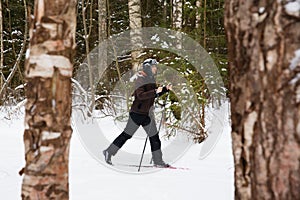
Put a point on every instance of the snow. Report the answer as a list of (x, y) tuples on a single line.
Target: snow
[(165, 45), (296, 60), (20, 87), (16, 32), (27, 53), (155, 37), (210, 178), (261, 10), (293, 7), (295, 80)]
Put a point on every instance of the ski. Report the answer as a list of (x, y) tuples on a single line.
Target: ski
[(152, 166)]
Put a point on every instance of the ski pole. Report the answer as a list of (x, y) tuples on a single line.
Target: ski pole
[(157, 133), (143, 153)]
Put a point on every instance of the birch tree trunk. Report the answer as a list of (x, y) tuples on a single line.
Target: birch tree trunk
[(264, 54), (48, 71), (87, 33), (1, 47), (177, 16), (102, 33), (198, 14), (135, 22), (165, 12), (204, 23)]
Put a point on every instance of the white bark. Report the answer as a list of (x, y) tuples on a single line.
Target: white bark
[(198, 13), (135, 19), (48, 72), (45, 65), (102, 34), (177, 14), (86, 39), (177, 20)]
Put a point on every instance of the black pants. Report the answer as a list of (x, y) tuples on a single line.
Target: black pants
[(134, 122)]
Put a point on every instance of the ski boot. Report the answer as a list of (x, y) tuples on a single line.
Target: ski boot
[(107, 157)]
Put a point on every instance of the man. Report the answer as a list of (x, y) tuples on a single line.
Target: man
[(141, 114)]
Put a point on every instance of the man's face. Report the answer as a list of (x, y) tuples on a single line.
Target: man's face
[(154, 69)]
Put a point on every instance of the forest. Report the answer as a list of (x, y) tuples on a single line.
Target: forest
[(99, 20), (65, 57), (203, 21)]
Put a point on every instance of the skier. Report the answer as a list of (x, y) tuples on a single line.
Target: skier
[(141, 114)]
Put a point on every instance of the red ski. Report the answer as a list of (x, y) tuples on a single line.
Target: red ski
[(152, 166)]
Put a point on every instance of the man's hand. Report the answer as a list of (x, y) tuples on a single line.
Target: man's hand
[(159, 90)]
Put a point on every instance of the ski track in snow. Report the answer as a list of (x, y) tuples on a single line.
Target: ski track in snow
[(211, 178)]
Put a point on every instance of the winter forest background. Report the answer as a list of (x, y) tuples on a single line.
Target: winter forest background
[(97, 21), (203, 21), (257, 42)]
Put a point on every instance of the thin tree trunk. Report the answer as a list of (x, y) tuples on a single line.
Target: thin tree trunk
[(1, 46), (48, 71), (177, 20), (177, 14), (198, 14), (7, 81), (135, 24), (165, 13), (264, 47), (219, 8), (12, 40), (87, 49), (102, 33), (10, 30), (204, 23)]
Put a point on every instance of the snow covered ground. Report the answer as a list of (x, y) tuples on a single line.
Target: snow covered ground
[(211, 178)]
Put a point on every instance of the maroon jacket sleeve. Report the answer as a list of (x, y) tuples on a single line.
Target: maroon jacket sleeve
[(164, 91), (141, 94)]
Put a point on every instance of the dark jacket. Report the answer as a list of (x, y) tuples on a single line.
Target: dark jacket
[(145, 93)]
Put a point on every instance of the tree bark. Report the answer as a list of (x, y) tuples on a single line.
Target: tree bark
[(87, 32), (102, 34), (1, 47), (204, 23), (135, 22), (177, 20), (48, 71), (177, 14), (263, 40), (198, 14)]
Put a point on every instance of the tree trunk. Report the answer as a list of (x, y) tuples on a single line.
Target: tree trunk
[(198, 14), (177, 16), (102, 25), (204, 23), (264, 47), (1, 47), (48, 71), (165, 13), (135, 22), (87, 32), (102, 34), (16, 67)]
